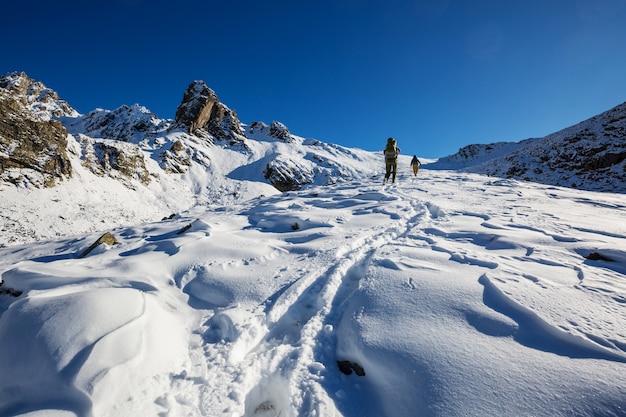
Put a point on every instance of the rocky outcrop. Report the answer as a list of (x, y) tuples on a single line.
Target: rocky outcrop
[(177, 159), (115, 159), (275, 130), (286, 174), (201, 110), (32, 149), (280, 131)]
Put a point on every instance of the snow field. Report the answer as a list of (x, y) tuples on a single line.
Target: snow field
[(457, 295)]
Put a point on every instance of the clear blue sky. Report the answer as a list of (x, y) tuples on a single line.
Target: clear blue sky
[(436, 75)]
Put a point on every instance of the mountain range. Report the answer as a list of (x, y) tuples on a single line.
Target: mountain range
[(50, 154), (249, 272)]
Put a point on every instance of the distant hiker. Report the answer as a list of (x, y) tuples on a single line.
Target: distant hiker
[(391, 160), (415, 164)]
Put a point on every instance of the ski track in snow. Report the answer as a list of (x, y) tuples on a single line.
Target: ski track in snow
[(295, 335), (291, 333), (275, 354)]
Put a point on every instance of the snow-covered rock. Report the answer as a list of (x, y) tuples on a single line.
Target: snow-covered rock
[(127, 124), (42, 101)]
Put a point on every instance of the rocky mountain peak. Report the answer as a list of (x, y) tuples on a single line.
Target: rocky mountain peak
[(200, 110), (126, 123), (42, 101)]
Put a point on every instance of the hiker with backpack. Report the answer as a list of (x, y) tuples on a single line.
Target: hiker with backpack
[(391, 160), (415, 164)]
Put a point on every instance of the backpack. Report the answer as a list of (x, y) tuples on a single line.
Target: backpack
[(391, 150)]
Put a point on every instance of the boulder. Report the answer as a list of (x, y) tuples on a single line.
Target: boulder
[(286, 174), (106, 239)]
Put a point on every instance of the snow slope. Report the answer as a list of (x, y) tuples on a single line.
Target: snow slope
[(129, 167), (590, 155), (217, 174), (449, 294)]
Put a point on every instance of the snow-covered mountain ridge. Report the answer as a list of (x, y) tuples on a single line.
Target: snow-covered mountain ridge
[(590, 155), (205, 156), (89, 166), (447, 294)]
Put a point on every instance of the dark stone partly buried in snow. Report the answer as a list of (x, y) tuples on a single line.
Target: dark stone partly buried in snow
[(9, 291), (347, 367), (184, 229), (107, 239), (595, 256)]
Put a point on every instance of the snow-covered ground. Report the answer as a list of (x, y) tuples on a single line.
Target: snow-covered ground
[(448, 294)]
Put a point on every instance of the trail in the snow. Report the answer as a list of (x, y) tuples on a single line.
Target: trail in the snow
[(299, 345), (278, 356)]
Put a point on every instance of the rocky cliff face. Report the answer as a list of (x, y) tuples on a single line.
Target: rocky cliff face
[(32, 148), (34, 141), (115, 159)]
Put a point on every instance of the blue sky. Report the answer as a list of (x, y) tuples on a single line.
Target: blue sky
[(436, 75)]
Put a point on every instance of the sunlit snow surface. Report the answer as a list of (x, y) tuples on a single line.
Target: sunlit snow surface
[(458, 295)]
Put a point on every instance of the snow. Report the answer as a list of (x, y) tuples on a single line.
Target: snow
[(457, 295)]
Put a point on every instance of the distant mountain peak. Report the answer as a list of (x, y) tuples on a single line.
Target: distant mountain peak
[(590, 155), (275, 130), (126, 123)]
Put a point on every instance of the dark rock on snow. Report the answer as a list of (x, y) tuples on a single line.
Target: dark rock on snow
[(105, 239)]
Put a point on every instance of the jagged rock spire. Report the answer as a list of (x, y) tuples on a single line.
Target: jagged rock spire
[(200, 109)]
